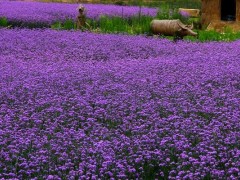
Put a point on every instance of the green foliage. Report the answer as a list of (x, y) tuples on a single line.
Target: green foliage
[(93, 25), (56, 25), (209, 36), (141, 25), (175, 4), (133, 25), (3, 22), (112, 24), (166, 12), (196, 21), (120, 3), (158, 3), (67, 25), (203, 36)]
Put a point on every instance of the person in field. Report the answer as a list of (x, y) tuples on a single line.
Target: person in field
[(81, 18)]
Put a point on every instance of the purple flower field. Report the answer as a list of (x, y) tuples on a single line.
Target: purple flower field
[(88, 106), (49, 13)]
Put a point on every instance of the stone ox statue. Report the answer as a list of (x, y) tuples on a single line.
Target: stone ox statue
[(172, 28)]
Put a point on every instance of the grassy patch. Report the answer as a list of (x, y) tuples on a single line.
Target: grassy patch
[(3, 22), (212, 35), (141, 25), (105, 24)]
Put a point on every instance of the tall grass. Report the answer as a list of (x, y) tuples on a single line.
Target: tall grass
[(141, 25), (173, 4), (105, 24), (134, 25), (204, 36), (3, 22)]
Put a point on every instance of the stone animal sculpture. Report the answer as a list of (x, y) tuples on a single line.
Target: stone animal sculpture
[(189, 12), (81, 18), (172, 28)]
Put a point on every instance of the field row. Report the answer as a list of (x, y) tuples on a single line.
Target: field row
[(50, 13), (87, 106)]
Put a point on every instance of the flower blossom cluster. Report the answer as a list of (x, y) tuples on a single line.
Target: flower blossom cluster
[(48, 13), (85, 106)]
